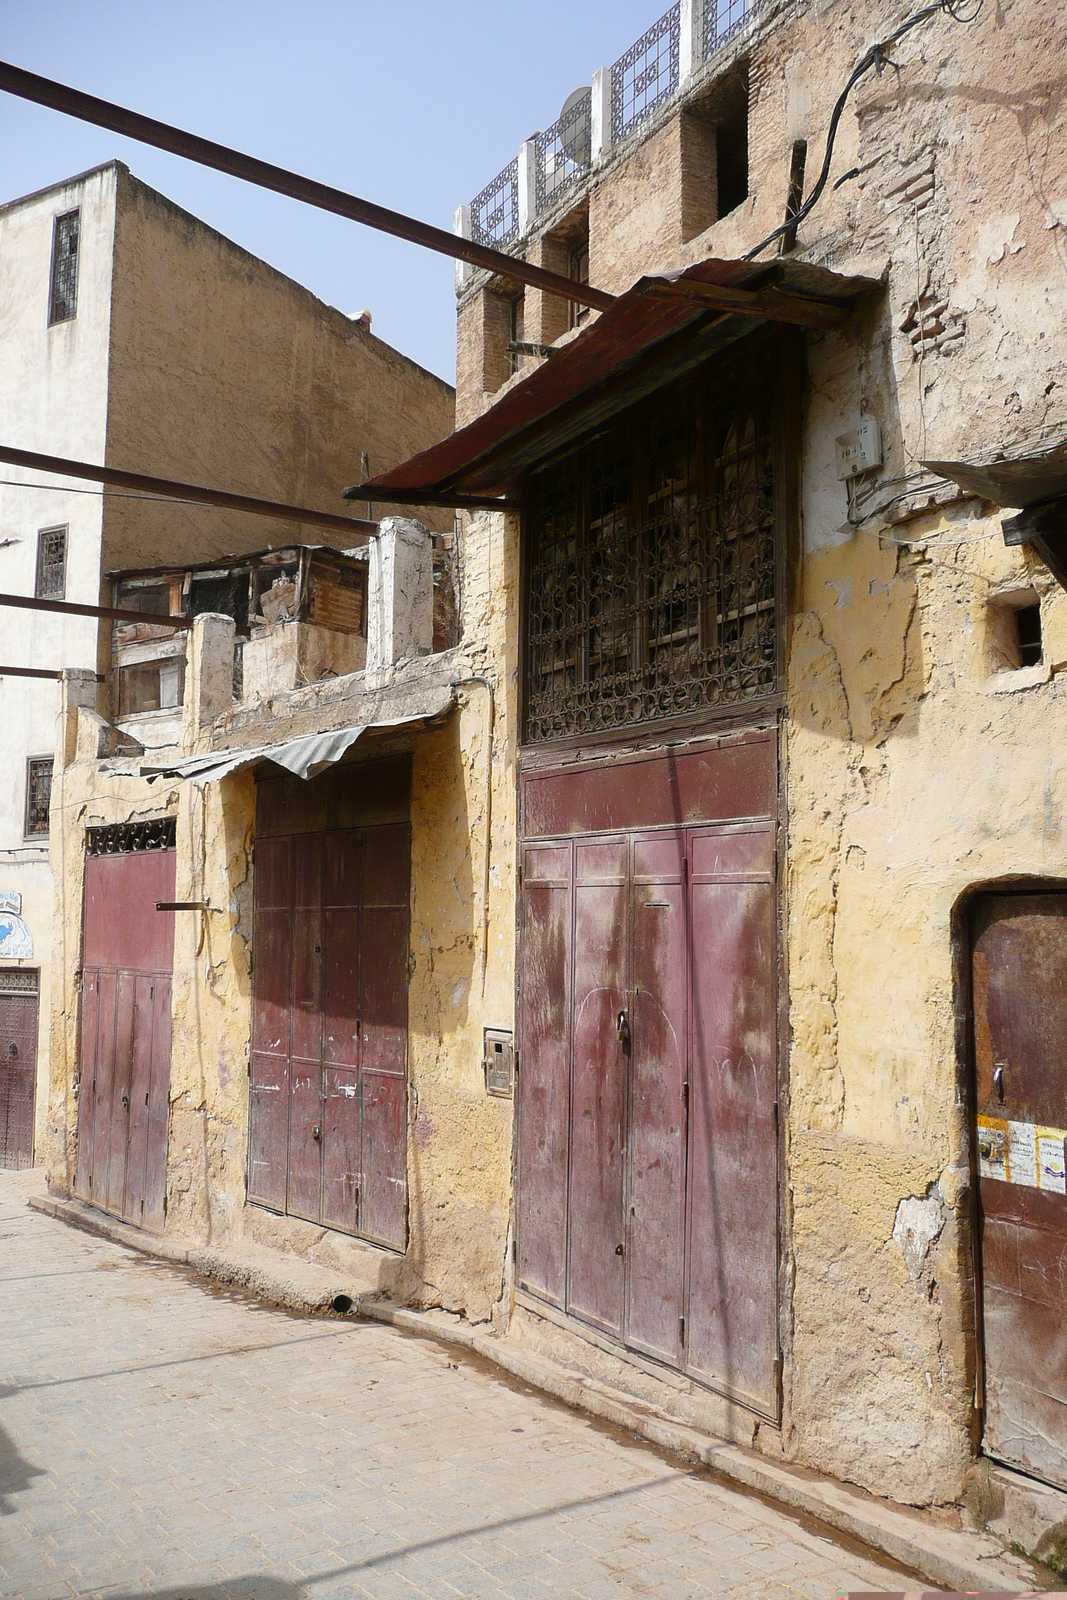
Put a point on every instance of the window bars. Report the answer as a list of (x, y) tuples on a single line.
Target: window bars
[(646, 75), (51, 564), (63, 295), (564, 151), (38, 794), (653, 576), (721, 19), (19, 980), (495, 212), (125, 838)]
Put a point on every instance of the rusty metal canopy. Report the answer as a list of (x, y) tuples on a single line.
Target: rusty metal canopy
[(664, 326)]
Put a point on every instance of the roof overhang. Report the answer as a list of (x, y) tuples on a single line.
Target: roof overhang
[(663, 327), (1035, 486)]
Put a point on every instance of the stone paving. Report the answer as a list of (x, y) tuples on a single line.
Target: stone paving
[(158, 1438)]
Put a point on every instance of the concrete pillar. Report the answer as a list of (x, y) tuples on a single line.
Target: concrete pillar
[(208, 675), (461, 225), (77, 689), (690, 38), (601, 113), (400, 602), (527, 186)]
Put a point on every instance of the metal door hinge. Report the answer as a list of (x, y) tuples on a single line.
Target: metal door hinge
[(164, 1205)]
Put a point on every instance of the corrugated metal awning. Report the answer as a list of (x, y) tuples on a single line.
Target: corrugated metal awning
[(665, 325), (305, 757)]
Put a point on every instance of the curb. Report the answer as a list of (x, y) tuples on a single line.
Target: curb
[(959, 1561)]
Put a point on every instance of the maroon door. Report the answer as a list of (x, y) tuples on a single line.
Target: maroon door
[(328, 1117), (1019, 975), (127, 959), (733, 1127), (18, 1065)]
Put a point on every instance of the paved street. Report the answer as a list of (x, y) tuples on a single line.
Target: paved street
[(157, 1438)]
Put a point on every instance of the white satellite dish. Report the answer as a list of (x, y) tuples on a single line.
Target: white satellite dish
[(576, 127)]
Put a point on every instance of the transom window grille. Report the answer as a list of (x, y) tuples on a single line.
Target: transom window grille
[(653, 572), (721, 19), (38, 794), (63, 295), (51, 564), (495, 212), (19, 980), (646, 75), (124, 838)]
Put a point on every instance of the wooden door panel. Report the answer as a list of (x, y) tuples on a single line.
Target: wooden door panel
[(268, 1136), (655, 1255), (90, 1027), (383, 1193), (107, 984), (341, 1149), (119, 1128), (305, 1140), (140, 1092), (544, 1077), (159, 1107), (341, 986)]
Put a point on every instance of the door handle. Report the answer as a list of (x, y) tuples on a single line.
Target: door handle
[(316, 1133), (620, 1250), (622, 1028), (998, 1081), (126, 1101)]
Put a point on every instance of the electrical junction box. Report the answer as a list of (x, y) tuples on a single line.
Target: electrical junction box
[(499, 1063), (859, 450)]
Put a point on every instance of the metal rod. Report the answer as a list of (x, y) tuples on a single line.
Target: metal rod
[(71, 608), (103, 114), (38, 672), (431, 497), (356, 528)]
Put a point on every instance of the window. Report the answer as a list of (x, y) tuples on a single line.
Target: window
[(38, 794), (51, 564), (578, 272), (517, 332), (1013, 634), (1028, 633), (731, 160), (63, 299), (654, 562)]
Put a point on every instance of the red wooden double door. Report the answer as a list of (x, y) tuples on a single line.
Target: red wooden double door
[(124, 1092), (328, 1125), (648, 1143)]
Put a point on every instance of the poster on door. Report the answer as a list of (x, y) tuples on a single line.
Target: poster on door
[(1024, 1153), (16, 940)]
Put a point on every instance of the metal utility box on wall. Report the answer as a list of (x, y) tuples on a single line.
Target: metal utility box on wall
[(499, 1062)]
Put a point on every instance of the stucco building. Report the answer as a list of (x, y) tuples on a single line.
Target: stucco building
[(134, 336), (736, 810)]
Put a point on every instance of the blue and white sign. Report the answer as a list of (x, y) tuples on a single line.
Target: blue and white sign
[(16, 940)]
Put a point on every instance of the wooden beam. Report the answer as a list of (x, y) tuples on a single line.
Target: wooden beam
[(766, 305)]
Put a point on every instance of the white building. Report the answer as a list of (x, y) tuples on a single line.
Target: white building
[(132, 334)]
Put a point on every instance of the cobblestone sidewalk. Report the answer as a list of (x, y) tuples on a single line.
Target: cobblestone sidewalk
[(157, 1438)]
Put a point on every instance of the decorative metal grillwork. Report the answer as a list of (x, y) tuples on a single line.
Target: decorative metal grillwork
[(124, 838), (495, 212), (51, 563), (63, 297), (646, 75), (564, 152), (653, 566), (721, 19), (19, 980), (38, 794)]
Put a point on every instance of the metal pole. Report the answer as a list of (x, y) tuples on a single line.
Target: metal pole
[(38, 672), (87, 108), (71, 608)]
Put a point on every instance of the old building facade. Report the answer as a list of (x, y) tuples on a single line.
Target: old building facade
[(134, 336), (737, 808)]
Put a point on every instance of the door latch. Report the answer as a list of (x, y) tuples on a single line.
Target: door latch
[(126, 1100), (316, 1133), (620, 1249), (998, 1081), (13, 1048), (622, 1029)]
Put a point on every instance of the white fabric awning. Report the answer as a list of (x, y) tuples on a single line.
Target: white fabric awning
[(304, 757)]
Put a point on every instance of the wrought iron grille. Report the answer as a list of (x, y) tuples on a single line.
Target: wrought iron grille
[(646, 75), (63, 297), (652, 587), (495, 212), (51, 563), (38, 794), (721, 19), (19, 980), (564, 152), (124, 838)]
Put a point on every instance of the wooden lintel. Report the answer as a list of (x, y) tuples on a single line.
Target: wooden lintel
[(767, 305)]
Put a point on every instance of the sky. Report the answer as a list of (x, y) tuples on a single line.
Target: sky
[(415, 106)]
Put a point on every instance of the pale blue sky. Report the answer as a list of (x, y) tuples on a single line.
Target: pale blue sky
[(414, 105)]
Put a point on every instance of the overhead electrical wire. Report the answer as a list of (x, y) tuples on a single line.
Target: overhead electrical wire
[(965, 11)]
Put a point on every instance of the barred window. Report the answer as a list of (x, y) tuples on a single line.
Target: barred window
[(653, 570), (63, 298), (51, 564), (38, 794)]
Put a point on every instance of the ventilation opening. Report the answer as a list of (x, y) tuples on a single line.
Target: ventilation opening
[(1028, 632), (731, 159), (1013, 636), (342, 1304)]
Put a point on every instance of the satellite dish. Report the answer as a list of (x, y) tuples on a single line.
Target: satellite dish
[(576, 127)]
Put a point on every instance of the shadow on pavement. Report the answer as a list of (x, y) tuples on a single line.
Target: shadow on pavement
[(16, 1473), (255, 1586)]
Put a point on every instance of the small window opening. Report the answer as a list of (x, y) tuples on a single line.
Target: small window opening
[(517, 332), (63, 296), (51, 564), (38, 794), (1028, 629), (731, 159), (578, 272)]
